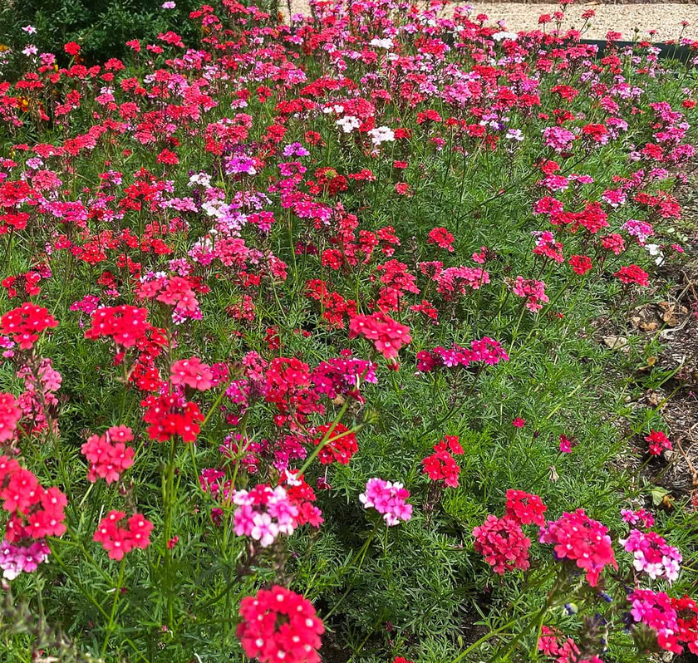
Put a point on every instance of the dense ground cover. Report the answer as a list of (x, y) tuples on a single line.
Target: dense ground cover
[(303, 345)]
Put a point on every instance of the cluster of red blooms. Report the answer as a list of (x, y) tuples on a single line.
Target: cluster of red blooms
[(525, 508), (441, 465), (335, 307), (36, 512), (171, 414), (10, 414), (125, 325), (442, 238), (280, 625), (339, 445), (633, 274), (658, 442), (584, 541), (108, 454), (503, 544), (24, 324), (343, 376), (580, 264), (502, 541), (23, 285), (119, 541), (388, 336)]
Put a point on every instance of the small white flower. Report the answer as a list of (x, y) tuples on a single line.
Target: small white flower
[(501, 36)]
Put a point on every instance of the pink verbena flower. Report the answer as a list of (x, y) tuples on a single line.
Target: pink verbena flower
[(653, 555), (503, 544), (389, 499), (533, 291), (263, 513), (578, 538)]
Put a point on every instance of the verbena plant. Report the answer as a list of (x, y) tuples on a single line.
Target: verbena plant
[(302, 344)]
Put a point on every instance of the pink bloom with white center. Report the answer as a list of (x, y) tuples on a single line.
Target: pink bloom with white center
[(533, 291), (652, 555), (15, 559), (264, 530), (263, 513), (193, 373), (389, 499), (639, 229), (558, 139), (640, 516)]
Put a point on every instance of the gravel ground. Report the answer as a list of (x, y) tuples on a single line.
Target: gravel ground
[(664, 18)]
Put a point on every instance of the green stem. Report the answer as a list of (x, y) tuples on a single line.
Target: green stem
[(117, 593), (324, 440)]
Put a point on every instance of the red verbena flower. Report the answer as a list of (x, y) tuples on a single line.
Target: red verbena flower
[(387, 335), (503, 544), (340, 446), (524, 508), (126, 325), (633, 274), (170, 415), (25, 323), (10, 414), (580, 264), (658, 441), (441, 466), (280, 625), (442, 238)]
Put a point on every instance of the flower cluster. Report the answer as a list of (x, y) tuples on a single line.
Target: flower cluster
[(15, 560), (584, 541), (10, 414), (532, 291), (35, 512), (658, 442), (389, 499), (171, 414), (503, 544), (119, 541), (525, 508), (25, 323), (338, 444), (108, 454), (280, 625), (441, 466), (125, 325), (486, 351), (192, 373), (653, 555), (263, 513), (388, 336)]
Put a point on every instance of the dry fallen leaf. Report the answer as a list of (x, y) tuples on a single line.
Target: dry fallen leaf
[(615, 342), (645, 318), (671, 313)]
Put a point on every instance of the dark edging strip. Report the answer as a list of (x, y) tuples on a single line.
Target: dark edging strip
[(673, 51)]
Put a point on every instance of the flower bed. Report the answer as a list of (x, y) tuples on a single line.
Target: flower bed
[(302, 333)]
